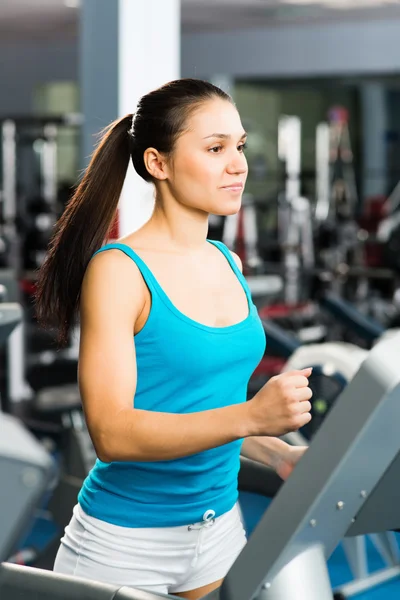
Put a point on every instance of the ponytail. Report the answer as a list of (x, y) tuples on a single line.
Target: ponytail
[(82, 229)]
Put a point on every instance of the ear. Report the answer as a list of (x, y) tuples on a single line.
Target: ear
[(156, 164)]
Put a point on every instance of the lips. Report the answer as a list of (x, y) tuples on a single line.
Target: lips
[(234, 186)]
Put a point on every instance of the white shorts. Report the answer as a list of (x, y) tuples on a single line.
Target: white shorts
[(161, 559)]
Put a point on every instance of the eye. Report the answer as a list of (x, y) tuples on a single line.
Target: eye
[(242, 147), (215, 148)]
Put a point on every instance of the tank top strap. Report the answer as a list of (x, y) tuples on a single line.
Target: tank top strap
[(148, 276), (227, 253)]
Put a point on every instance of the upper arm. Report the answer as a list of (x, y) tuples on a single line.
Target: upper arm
[(112, 298), (237, 261)]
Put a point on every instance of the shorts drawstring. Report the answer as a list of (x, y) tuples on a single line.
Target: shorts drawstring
[(208, 521)]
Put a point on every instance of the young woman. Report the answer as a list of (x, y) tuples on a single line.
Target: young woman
[(169, 339)]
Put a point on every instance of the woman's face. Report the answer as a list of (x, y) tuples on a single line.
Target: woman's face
[(208, 167)]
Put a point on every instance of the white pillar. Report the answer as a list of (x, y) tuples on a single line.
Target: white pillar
[(128, 48), (149, 56)]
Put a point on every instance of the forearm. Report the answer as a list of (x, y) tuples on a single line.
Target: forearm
[(269, 451), (140, 435)]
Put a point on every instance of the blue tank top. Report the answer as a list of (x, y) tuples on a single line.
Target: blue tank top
[(182, 367)]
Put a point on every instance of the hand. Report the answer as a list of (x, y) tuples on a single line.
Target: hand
[(287, 462), (282, 405)]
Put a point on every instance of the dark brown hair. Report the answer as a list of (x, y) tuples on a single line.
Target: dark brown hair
[(160, 118)]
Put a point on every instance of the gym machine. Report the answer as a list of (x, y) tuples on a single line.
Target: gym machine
[(336, 184), (10, 317), (294, 212), (25, 468), (29, 201), (29, 209), (345, 485), (294, 231), (295, 241), (334, 366), (40, 382), (348, 265), (337, 267), (388, 232), (241, 235), (54, 416)]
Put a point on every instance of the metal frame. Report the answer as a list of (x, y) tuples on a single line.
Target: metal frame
[(329, 488)]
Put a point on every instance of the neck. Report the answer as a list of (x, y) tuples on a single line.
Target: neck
[(181, 228)]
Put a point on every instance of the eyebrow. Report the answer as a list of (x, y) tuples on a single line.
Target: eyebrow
[(223, 136)]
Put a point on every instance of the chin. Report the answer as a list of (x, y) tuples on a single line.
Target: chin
[(227, 210), (232, 212)]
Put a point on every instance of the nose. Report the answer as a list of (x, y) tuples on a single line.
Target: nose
[(237, 164)]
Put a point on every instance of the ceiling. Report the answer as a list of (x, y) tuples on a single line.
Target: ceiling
[(201, 15), (37, 19), (49, 19)]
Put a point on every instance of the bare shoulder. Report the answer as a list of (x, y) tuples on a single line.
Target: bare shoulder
[(237, 260), (114, 266), (113, 277)]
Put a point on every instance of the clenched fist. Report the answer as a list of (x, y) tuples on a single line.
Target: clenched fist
[(282, 405)]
